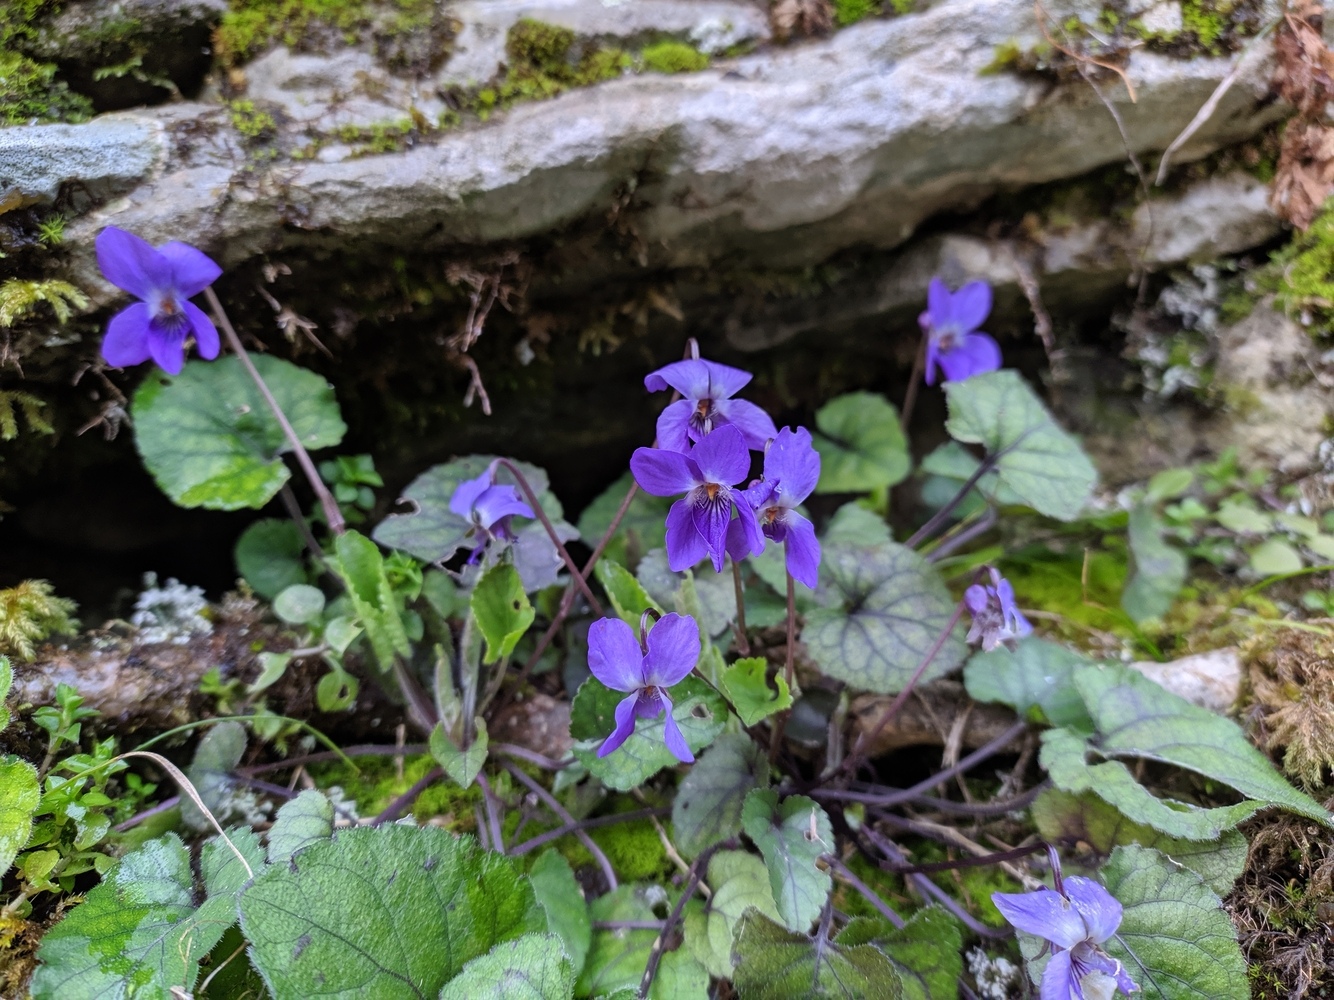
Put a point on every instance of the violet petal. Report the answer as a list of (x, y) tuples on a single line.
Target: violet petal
[(614, 655), (673, 650), (126, 342)]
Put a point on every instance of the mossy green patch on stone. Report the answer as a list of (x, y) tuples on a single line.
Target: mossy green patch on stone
[(404, 32), (250, 121), (544, 60), (30, 93), (1303, 274), (851, 11), (673, 57)]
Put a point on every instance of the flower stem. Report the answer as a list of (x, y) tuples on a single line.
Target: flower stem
[(789, 669), (331, 512), (942, 515), (564, 816), (910, 397), (742, 642), (655, 954), (576, 577), (849, 765)]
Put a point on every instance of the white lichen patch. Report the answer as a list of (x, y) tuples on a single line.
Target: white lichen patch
[(997, 978), (172, 613)]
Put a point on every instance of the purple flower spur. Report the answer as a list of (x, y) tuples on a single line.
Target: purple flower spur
[(1075, 925), (953, 343), (163, 279), (616, 658), (791, 470), (706, 389)]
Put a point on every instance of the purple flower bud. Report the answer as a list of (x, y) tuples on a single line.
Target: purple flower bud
[(1076, 924), (706, 389), (697, 524), (670, 652), (489, 508), (950, 323), (997, 620), (791, 470), (164, 279)]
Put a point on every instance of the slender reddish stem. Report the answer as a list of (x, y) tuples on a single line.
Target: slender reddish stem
[(331, 512)]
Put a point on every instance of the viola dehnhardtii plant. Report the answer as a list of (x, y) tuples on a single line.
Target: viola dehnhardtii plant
[(997, 620), (470, 611), (164, 279), (706, 404), (954, 344), (488, 506), (708, 474), (791, 470), (1075, 923), (644, 669)]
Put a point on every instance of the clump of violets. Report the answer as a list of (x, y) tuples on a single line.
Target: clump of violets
[(488, 507), (791, 470), (644, 669), (1074, 922), (954, 344), (697, 524), (164, 279), (997, 620), (706, 388)]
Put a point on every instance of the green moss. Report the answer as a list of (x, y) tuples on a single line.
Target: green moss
[(673, 57), (634, 850), (250, 121), (544, 60), (851, 11), (250, 26), (30, 92), (31, 613), (381, 137), (1304, 270), (19, 298), (379, 783), (1207, 19)]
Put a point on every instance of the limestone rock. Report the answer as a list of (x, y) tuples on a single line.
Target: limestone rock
[(776, 160), (107, 156), (1279, 392), (1211, 680)]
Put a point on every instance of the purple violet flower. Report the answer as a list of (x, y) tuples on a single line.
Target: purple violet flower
[(617, 660), (1076, 924), (164, 279), (953, 341), (488, 508), (706, 388), (697, 524), (997, 620), (791, 470)]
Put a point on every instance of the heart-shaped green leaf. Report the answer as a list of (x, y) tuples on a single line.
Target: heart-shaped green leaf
[(210, 440), (861, 444), (707, 807), (367, 913), (885, 608), (1034, 456), (791, 835)]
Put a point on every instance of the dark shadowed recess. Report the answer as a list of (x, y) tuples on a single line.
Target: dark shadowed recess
[(89, 518)]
